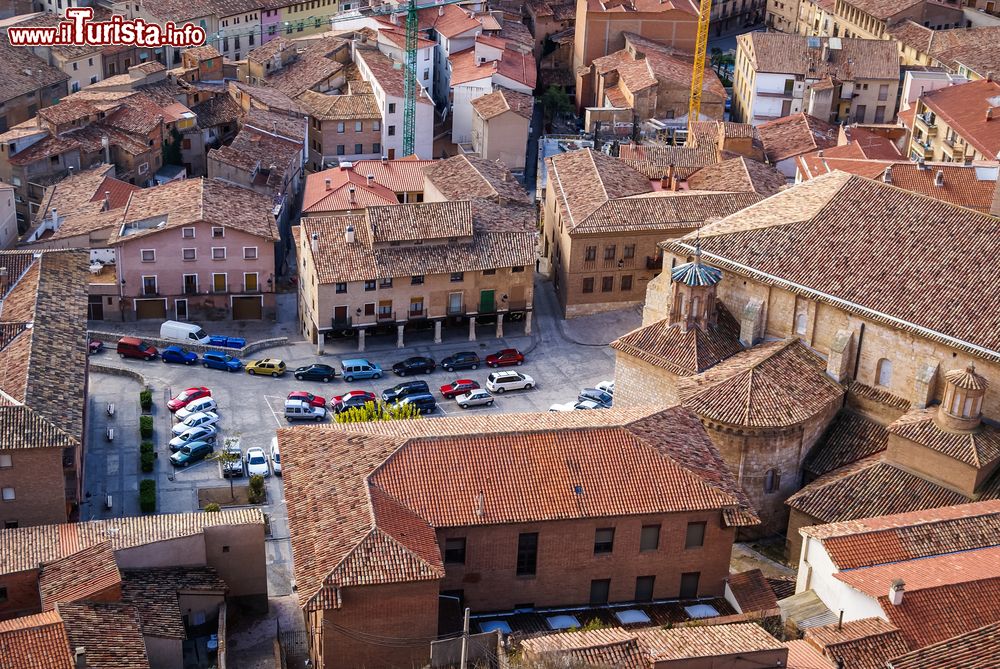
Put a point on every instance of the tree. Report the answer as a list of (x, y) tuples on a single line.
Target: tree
[(373, 411), (555, 102), (172, 148), (228, 457)]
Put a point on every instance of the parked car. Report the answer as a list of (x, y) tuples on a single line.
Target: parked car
[(299, 410), (256, 461), (463, 360), (223, 361), (568, 406), (607, 386), (308, 398), (458, 387), (191, 453), (359, 368), (133, 347), (499, 382), (414, 365), (351, 400), (197, 406), (424, 402), (205, 433), (194, 420), (267, 367), (599, 396), (178, 354), (233, 467), (475, 398), (95, 346), (589, 404), (275, 456), (401, 390), (324, 373), (185, 396), (184, 332), (505, 357)]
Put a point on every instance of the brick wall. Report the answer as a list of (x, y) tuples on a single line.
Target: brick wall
[(22, 594), (36, 475)]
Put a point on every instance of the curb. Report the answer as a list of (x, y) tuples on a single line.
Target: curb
[(111, 340)]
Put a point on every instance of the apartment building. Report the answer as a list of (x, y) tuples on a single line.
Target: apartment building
[(431, 493), (782, 16), (82, 64), (833, 79), (30, 84), (43, 329), (8, 216), (343, 128), (386, 82), (860, 19), (957, 123), (239, 27), (500, 124), (301, 19), (392, 42)]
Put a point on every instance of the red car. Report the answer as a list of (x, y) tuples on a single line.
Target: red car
[(508, 356), (355, 398), (459, 387), (189, 395), (308, 398)]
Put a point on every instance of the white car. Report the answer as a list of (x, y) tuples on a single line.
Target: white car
[(256, 461), (200, 433), (196, 420), (568, 406), (474, 397), (498, 382), (198, 406), (578, 405), (275, 456), (607, 386)]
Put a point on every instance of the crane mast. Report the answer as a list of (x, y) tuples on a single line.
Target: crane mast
[(698, 73)]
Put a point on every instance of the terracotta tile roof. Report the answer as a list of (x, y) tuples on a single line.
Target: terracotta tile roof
[(630, 6), (109, 631), (653, 161), (451, 21), (205, 52), (613, 647), (683, 353), (266, 97), (738, 174), (666, 645), (518, 66), (978, 649), (79, 201), (78, 576), (883, 9), (822, 216), (383, 70), (463, 177), (187, 201), (804, 655), (22, 72), (935, 614), (879, 395), (270, 49), (771, 385), (503, 100), (858, 644), (978, 448), (794, 135), (288, 126), (382, 493), (25, 548), (951, 48), (217, 110), (304, 74), (924, 573), (267, 153), (139, 114), (35, 642), (670, 211), (857, 59), (752, 591), (340, 107), (402, 175), (338, 197), (963, 108), (154, 593), (664, 64), (584, 180), (397, 37), (420, 221), (850, 438)]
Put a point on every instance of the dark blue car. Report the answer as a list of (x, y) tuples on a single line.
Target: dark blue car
[(223, 361), (178, 354)]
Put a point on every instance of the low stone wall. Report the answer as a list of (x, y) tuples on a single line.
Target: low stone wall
[(118, 371), (110, 340)]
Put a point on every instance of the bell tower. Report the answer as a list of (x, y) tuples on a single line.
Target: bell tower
[(693, 294), (961, 407)]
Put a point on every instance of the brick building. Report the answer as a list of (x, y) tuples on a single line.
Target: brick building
[(955, 124), (30, 84), (597, 509)]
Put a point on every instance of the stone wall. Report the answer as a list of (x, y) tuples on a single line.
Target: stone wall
[(639, 383)]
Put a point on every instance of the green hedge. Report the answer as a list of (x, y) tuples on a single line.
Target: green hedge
[(147, 496), (212, 507), (146, 427), (146, 461), (146, 447), (255, 491), (146, 400)]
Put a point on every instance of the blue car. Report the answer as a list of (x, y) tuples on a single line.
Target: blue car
[(178, 354), (223, 361)]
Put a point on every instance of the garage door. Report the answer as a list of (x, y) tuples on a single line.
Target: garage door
[(151, 309), (247, 308)]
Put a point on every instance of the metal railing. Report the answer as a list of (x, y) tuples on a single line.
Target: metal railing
[(341, 323)]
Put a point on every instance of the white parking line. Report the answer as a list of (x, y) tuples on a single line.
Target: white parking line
[(277, 414)]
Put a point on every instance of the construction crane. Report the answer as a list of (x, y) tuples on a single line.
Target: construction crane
[(410, 81), (698, 74)]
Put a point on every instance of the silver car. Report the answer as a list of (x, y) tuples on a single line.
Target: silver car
[(195, 420), (474, 397)]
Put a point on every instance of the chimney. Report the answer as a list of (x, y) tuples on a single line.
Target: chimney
[(350, 193), (989, 113), (369, 179), (329, 184), (939, 178), (480, 504), (989, 76), (80, 657), (274, 127), (896, 592), (673, 178), (664, 182), (55, 219), (887, 175), (441, 10), (107, 200), (826, 52), (385, 160), (315, 242), (349, 234)]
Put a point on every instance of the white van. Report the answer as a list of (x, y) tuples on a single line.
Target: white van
[(186, 333)]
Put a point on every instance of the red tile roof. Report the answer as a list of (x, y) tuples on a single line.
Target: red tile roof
[(110, 633), (790, 136), (83, 574), (338, 196), (963, 108), (859, 644), (402, 175), (929, 572), (978, 649), (935, 614), (35, 642), (584, 180), (738, 174), (978, 448), (752, 591), (850, 438)]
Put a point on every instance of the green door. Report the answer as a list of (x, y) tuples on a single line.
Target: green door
[(486, 305)]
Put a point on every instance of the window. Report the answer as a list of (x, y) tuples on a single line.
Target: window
[(7, 525), (392, 108), (610, 251), (527, 553), (590, 254), (604, 540), (385, 283), (626, 283), (884, 372), (148, 255), (883, 92), (219, 283), (489, 272), (588, 284), (3, 591), (644, 588), (649, 540), (417, 280), (340, 127), (189, 254), (370, 309), (341, 150), (249, 252), (392, 131), (772, 480), (149, 285), (385, 309), (359, 148), (250, 282), (376, 125), (218, 253), (75, 66), (599, 591), (695, 537), (689, 585), (517, 268), (789, 86), (218, 232), (5, 461), (376, 148), (457, 277), (187, 233), (359, 126), (341, 287), (454, 551), (427, 74), (607, 284), (370, 285), (800, 324), (416, 306), (8, 494), (628, 252)]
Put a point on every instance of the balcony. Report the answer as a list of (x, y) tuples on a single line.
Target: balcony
[(654, 264), (456, 309), (486, 308), (384, 316), (926, 123), (417, 313), (922, 149), (341, 323)]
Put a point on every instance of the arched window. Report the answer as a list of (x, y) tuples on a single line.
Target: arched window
[(772, 480), (800, 324), (884, 372)]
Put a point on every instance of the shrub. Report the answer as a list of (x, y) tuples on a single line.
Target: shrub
[(146, 427), (255, 491), (146, 447), (212, 507), (146, 461), (373, 411), (146, 399), (147, 496)]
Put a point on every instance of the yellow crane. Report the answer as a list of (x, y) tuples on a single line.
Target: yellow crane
[(698, 74)]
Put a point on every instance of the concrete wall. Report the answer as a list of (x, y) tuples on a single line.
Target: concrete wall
[(503, 138), (36, 475), (461, 107), (816, 572)]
